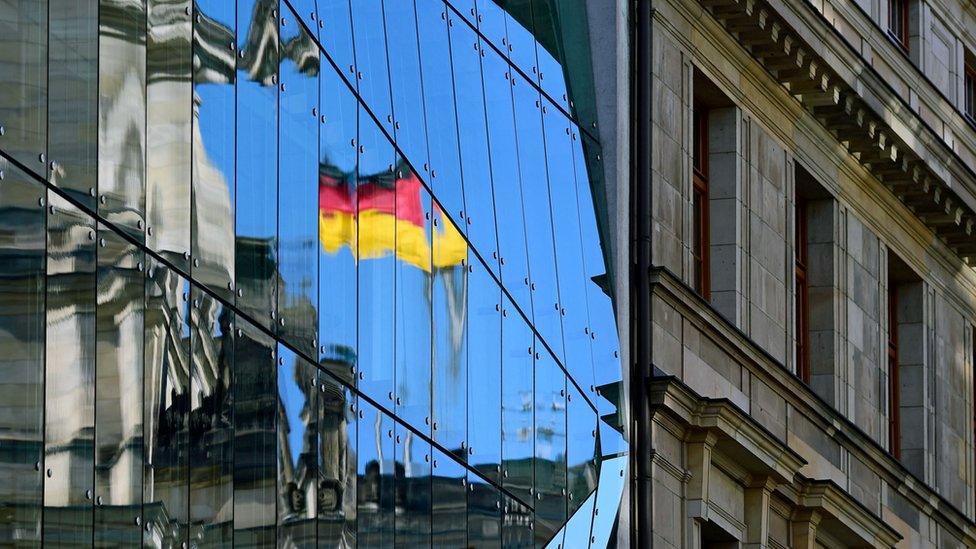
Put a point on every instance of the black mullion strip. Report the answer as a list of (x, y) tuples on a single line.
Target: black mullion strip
[(362, 105)]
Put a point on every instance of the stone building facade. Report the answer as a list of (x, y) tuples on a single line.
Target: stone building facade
[(810, 296)]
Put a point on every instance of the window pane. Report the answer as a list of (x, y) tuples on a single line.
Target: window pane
[(520, 41), (169, 132), (516, 523), (448, 502), (491, 23), (548, 30), (122, 115), (337, 464), (401, 37), (297, 440), (518, 403), (374, 467), (337, 225), (335, 34), (257, 160), (70, 375), (484, 514), (484, 372), (371, 61), (167, 360), (550, 447), (214, 144), (255, 437), (119, 390), (73, 97), (211, 427), (581, 423), (450, 322), (298, 138), (413, 489), (23, 82)]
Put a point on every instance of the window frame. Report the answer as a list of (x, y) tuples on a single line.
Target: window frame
[(898, 23), (700, 208)]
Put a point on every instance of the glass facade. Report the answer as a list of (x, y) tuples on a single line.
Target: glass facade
[(301, 273)]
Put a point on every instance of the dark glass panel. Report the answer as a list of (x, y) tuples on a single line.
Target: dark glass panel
[(484, 425), (337, 464), (255, 437), (550, 447), (376, 213), (214, 118), (405, 83), (581, 451), (118, 390), (448, 511), (211, 422), (376, 461), (413, 300), (505, 179), (479, 220), (298, 142), (73, 97), (516, 523), (372, 68), (449, 378), (548, 32), (297, 457), (122, 115), (69, 415), (518, 403), (412, 496), (444, 175), (166, 398), (22, 321), (337, 225), (23, 82), (335, 35), (484, 514), (169, 130), (568, 246), (538, 220), (520, 39), (257, 159)]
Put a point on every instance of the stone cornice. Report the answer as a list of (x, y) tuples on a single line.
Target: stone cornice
[(852, 102), (832, 501)]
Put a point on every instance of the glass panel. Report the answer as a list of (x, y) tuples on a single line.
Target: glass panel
[(372, 69), (337, 226), (401, 37), (581, 422), (335, 34), (257, 159), (297, 440), (613, 474), (538, 223), (479, 220), (298, 141), (211, 422), (449, 521), (518, 402), (169, 131), (376, 208), (491, 23), (167, 340), (306, 10), (516, 523), (374, 467), (23, 82), (214, 48), (521, 42), (255, 437), (450, 332), (412, 503), (122, 96), (337, 464), (435, 48), (505, 177), (72, 97), (548, 49), (69, 376), (119, 390), (550, 447), (484, 514), (484, 372)]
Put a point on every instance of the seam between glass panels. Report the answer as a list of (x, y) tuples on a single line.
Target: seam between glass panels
[(239, 314), (369, 111)]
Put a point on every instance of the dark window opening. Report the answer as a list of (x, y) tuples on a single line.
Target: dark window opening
[(969, 88), (898, 22), (894, 396), (802, 292), (903, 285), (700, 238)]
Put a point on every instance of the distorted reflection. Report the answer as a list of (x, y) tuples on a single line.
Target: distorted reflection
[(337, 500), (297, 456)]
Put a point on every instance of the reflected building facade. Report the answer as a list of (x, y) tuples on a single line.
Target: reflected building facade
[(304, 273)]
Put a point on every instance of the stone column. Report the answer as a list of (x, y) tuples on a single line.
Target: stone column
[(757, 512)]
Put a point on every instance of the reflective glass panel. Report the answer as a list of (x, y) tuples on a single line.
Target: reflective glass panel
[(166, 399), (335, 35), (491, 23), (372, 69), (255, 437), (211, 422), (518, 404), (214, 120), (73, 97), (70, 375), (297, 440), (257, 159), (450, 332), (550, 447), (375, 464), (401, 36), (119, 390), (448, 510), (122, 115), (516, 523), (23, 82), (484, 427), (547, 28), (484, 512), (581, 450), (412, 489), (336, 493), (337, 225), (520, 40), (298, 142)]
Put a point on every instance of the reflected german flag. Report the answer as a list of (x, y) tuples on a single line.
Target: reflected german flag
[(389, 219)]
